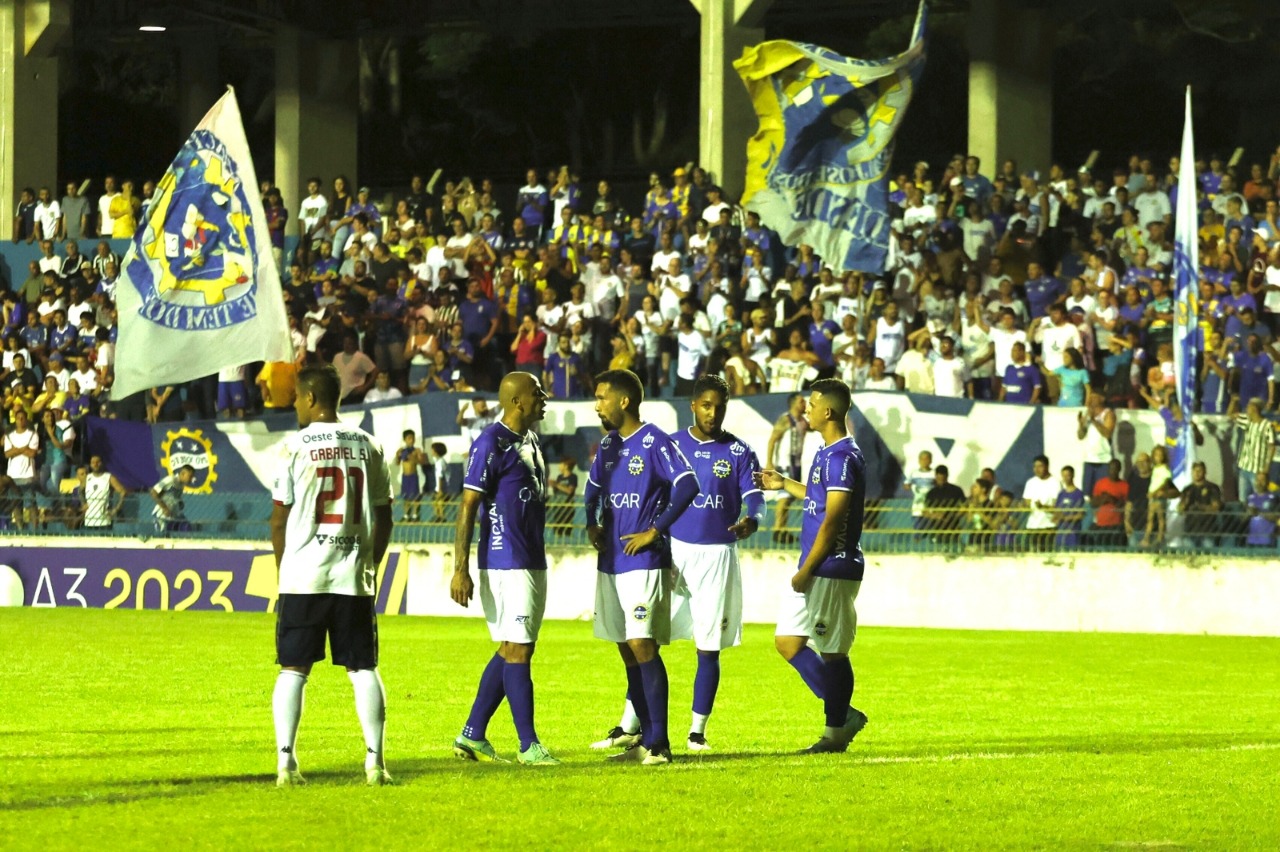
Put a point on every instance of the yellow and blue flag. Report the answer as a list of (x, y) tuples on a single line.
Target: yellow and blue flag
[(198, 288), (1186, 314), (817, 169)]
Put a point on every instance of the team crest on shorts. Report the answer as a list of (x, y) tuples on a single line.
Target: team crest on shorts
[(724, 624), (820, 629), (193, 261), (721, 468), (635, 467), (640, 613), (647, 442)]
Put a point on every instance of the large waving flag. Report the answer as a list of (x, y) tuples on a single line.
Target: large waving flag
[(198, 290), (1186, 266), (817, 169)]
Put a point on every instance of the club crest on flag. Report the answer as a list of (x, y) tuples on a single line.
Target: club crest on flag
[(196, 251)]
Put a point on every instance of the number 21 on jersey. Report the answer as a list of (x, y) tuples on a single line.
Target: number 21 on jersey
[(341, 496)]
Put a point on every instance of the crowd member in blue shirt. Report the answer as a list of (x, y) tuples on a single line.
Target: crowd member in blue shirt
[(564, 371), (1023, 382), (1042, 290), (1256, 372)]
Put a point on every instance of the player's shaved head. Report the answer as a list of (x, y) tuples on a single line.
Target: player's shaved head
[(514, 385), (523, 400), (833, 393)]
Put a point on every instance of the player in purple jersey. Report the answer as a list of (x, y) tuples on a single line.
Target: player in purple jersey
[(818, 615), (706, 601), (639, 484), (506, 478)]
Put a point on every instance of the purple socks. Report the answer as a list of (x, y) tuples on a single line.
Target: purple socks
[(489, 698), (518, 683), (654, 677), (706, 682), (635, 692), (810, 667)]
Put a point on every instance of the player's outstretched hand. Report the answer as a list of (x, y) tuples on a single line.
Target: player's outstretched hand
[(769, 480), (636, 542), (461, 588), (744, 528), (595, 535)]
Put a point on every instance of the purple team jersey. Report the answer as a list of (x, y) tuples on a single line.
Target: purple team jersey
[(635, 475), (724, 467), (507, 469), (836, 467)]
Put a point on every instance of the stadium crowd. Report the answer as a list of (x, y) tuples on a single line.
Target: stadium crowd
[(1014, 286)]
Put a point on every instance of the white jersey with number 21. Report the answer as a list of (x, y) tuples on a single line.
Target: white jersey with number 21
[(333, 476)]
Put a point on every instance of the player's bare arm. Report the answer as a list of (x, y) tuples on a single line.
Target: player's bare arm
[(825, 541), (461, 587), (771, 480), (279, 523)]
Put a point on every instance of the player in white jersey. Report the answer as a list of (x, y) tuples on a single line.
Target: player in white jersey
[(506, 485), (706, 603), (328, 547), (99, 514)]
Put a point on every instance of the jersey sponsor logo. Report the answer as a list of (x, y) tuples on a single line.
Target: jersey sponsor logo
[(635, 467), (701, 454), (629, 500), (817, 475), (606, 441), (640, 613), (721, 468), (647, 442), (810, 506), (190, 446), (738, 448), (820, 628), (708, 501), (497, 529), (522, 619)]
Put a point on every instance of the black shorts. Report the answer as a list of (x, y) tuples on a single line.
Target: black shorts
[(303, 621)]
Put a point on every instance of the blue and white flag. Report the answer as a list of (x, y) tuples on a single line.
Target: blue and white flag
[(1186, 314), (198, 289), (817, 169)]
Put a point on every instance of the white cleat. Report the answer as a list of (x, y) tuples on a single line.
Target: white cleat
[(378, 776), (290, 778), (698, 742), (617, 738), (631, 754)]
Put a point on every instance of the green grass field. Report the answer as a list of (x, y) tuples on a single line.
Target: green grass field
[(145, 730)]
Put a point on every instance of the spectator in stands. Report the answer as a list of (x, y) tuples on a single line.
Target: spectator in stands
[(169, 514), (565, 373), (1110, 499), (918, 483), (1022, 381), (475, 417), (1201, 504), (356, 370), (1159, 491), (1263, 517), (1095, 427), (1040, 497), (944, 507), (1069, 510), (1257, 447)]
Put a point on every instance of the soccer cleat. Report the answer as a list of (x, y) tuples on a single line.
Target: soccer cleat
[(631, 754), (826, 746), (698, 742), (477, 750), (657, 757), (854, 722), (537, 755), (618, 738), (290, 778), (377, 776)]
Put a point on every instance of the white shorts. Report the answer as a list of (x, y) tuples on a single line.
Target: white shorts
[(706, 603), (825, 614), (634, 605), (513, 601)]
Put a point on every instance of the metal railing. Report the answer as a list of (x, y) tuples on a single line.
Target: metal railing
[(889, 527)]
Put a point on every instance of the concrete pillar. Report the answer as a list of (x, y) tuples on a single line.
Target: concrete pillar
[(1010, 85), (316, 113), (201, 81), (726, 119), (30, 33)]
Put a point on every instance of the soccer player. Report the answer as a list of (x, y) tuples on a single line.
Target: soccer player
[(792, 427), (818, 616), (327, 553), (409, 457), (639, 484), (506, 483)]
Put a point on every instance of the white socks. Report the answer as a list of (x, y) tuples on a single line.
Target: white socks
[(699, 724), (630, 721), (286, 708), (371, 707)]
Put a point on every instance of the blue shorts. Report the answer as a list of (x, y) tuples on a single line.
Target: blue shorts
[(231, 396), (410, 488)]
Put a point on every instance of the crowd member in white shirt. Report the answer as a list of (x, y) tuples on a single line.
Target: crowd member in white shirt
[(889, 337), (978, 352), (21, 446), (1004, 334), (48, 216), (382, 389), (692, 351), (878, 379), (949, 373), (1040, 495), (1055, 335), (312, 214)]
